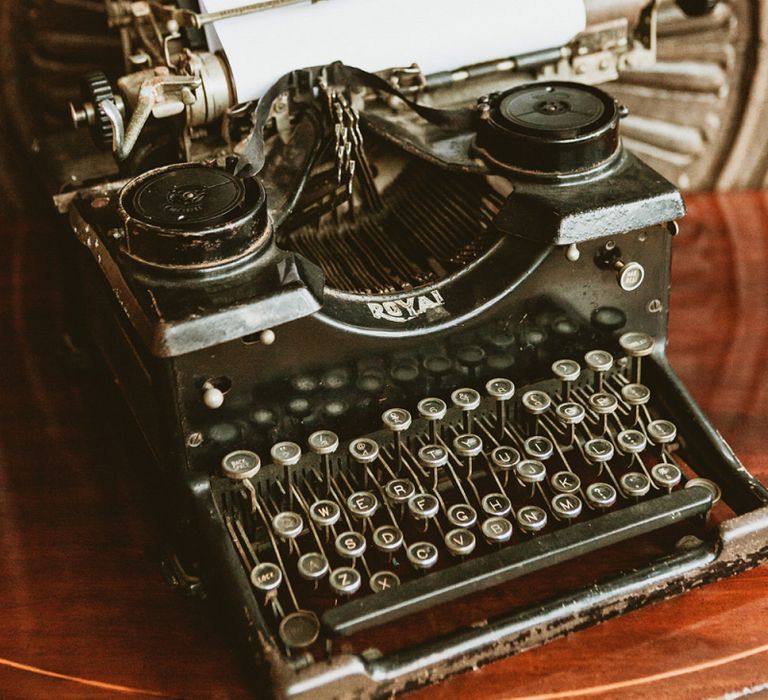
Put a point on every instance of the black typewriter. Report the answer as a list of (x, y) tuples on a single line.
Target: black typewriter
[(402, 368)]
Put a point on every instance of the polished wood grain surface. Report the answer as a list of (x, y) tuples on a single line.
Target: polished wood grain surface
[(84, 609)]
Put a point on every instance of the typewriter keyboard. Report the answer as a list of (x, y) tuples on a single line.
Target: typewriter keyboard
[(458, 496)]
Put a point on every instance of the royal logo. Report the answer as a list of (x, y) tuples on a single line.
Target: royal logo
[(404, 310)]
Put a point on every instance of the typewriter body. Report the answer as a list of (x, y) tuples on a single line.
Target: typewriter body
[(399, 354)]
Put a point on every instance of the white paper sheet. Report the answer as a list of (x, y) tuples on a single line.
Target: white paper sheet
[(439, 35)]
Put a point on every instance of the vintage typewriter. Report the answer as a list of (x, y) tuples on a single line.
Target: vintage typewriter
[(396, 343)]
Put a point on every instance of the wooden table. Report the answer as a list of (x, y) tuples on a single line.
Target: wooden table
[(85, 612)]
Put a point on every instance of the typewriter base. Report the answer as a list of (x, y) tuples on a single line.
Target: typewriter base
[(744, 544)]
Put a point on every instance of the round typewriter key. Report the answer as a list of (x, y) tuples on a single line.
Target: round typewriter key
[(598, 451), (312, 566), (461, 515), (299, 630), (325, 513), (635, 394), (531, 518), (666, 476), (603, 404), (422, 555), (502, 390), (345, 581), (539, 447), (601, 495), (266, 576), (423, 506), (287, 525), (565, 482), (396, 419), (362, 504), (350, 544), (536, 402), (468, 445), (432, 410), (383, 581), (399, 490), (566, 506), (570, 413), (496, 504), (364, 451), (661, 432), (600, 362), (387, 538), (467, 400), (711, 486), (567, 371), (241, 464), (637, 346), (530, 471), (460, 542), (504, 458), (434, 458), (324, 443), (631, 441), (286, 455), (635, 484), (497, 530)]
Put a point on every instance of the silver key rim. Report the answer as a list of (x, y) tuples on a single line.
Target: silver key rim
[(345, 580), (312, 566), (461, 515), (423, 506), (531, 518), (497, 529), (422, 555), (566, 506), (460, 542), (500, 389), (266, 576), (496, 504), (350, 544), (635, 484), (601, 495), (325, 513), (240, 465), (530, 471), (387, 538), (666, 475), (287, 524), (362, 504)]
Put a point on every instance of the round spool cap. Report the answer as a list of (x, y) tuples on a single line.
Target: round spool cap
[(192, 216), (551, 128)]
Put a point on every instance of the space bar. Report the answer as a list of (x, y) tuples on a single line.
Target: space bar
[(473, 575)]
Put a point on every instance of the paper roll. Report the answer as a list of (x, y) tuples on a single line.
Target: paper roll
[(439, 35)]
